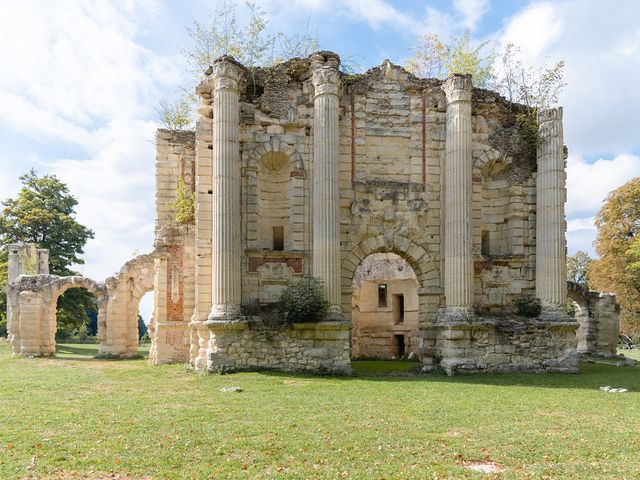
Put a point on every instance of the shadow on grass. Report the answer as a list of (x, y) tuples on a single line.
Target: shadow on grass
[(87, 352), (591, 377)]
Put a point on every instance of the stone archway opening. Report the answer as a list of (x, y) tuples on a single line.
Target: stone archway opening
[(385, 309), (76, 317), (74, 314), (145, 312)]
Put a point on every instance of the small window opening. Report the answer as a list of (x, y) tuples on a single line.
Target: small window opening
[(398, 309), (382, 295), (278, 238), (400, 349), (486, 246)]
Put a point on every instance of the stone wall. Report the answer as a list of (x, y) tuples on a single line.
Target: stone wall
[(249, 345), (598, 316), (506, 345)]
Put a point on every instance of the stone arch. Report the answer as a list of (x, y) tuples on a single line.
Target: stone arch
[(125, 290), (60, 285), (32, 309), (488, 161), (259, 163), (429, 290), (276, 145)]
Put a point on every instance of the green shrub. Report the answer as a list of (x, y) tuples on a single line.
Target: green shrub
[(3, 327), (302, 302), (184, 206), (528, 306), (78, 335)]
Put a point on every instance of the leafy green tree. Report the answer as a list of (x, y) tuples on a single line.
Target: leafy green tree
[(433, 58), (536, 87), (251, 44), (618, 224), (577, 268), (43, 213)]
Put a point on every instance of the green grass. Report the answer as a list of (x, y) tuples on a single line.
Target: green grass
[(88, 351), (384, 367), (635, 354), (64, 415)]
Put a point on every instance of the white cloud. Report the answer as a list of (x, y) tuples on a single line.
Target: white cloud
[(601, 47), (589, 183), (471, 11), (75, 76), (587, 186), (534, 30), (580, 235)]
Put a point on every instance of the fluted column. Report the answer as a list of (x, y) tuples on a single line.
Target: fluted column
[(458, 257), (551, 282), (326, 180), (225, 240)]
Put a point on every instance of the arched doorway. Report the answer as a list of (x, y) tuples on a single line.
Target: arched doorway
[(385, 308), (73, 310)]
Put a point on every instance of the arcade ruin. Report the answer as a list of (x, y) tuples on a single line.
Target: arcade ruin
[(299, 170)]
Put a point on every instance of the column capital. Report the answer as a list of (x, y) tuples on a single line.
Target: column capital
[(326, 76), (549, 123), (457, 88), (227, 74), (549, 114)]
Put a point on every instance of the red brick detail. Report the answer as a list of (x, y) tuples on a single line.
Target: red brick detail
[(175, 310), (353, 140), (255, 263), (295, 264), (424, 143), (296, 173), (477, 268)]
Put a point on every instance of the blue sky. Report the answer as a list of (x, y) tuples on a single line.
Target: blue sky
[(79, 81)]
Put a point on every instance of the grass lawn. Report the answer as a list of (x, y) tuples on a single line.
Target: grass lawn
[(635, 354), (71, 417)]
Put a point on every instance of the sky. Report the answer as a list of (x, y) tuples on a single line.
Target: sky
[(80, 82)]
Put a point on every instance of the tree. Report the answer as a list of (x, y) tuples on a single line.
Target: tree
[(432, 58), (537, 88), (577, 268), (618, 224), (43, 213), (250, 44)]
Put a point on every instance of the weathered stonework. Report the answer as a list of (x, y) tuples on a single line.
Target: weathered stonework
[(598, 317), (298, 170), (384, 318)]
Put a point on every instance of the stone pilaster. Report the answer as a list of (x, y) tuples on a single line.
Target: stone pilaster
[(458, 257), (226, 246), (326, 179), (551, 284)]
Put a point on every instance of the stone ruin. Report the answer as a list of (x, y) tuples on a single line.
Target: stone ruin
[(299, 170)]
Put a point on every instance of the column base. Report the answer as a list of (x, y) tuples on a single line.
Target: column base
[(224, 312), (454, 314), (335, 314), (555, 313)]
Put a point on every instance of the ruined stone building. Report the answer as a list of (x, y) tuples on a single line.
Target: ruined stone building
[(299, 170)]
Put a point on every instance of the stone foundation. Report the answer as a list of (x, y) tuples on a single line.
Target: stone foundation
[(502, 346), (248, 345)]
